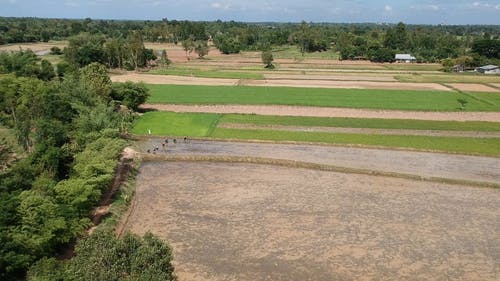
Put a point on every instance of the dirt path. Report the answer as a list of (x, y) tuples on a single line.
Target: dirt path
[(469, 87), (368, 131), (244, 222), (307, 83), (423, 164), (283, 110)]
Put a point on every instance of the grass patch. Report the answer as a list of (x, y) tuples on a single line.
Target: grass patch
[(8, 137), (352, 98), (53, 59), (207, 73), (263, 120), (483, 146), (176, 124), (413, 67)]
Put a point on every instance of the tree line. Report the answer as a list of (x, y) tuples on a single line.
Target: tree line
[(70, 128), (376, 42)]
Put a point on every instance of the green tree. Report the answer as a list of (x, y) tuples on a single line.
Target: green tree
[(130, 94), (228, 44), (489, 48), (397, 38), (95, 78), (128, 258), (85, 49), (136, 50), (201, 48), (164, 60), (188, 46), (267, 59)]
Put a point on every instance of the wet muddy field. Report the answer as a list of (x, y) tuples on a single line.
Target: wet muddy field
[(424, 164), (229, 221)]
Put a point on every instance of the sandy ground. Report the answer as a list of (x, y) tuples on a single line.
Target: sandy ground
[(472, 87), (185, 80), (283, 110), (35, 47), (496, 84), (257, 222), (423, 164), (369, 131)]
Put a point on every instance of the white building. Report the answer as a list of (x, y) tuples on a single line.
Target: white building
[(407, 58), (489, 69)]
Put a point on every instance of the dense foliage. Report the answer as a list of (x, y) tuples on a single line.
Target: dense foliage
[(70, 131), (117, 42), (129, 258)]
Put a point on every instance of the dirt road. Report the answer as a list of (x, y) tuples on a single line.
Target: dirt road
[(256, 222), (284, 110)]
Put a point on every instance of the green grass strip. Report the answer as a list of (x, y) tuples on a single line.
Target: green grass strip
[(176, 124), (351, 98), (483, 146), (207, 74), (265, 120)]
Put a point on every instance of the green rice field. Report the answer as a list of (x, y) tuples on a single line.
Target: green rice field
[(352, 98)]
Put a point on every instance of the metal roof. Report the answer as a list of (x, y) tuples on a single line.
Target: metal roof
[(488, 67), (405, 57)]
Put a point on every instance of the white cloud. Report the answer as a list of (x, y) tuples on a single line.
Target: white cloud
[(388, 8), (218, 5), (480, 4), (425, 8), (433, 7), (71, 4)]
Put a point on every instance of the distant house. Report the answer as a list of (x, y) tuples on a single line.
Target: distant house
[(407, 58), (489, 69), (458, 68)]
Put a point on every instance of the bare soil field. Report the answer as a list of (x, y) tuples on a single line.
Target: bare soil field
[(188, 80), (176, 53), (368, 131), (172, 79), (422, 164), (283, 110), (383, 78), (473, 87), (35, 47), (229, 221)]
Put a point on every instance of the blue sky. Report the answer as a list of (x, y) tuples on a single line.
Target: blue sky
[(408, 11)]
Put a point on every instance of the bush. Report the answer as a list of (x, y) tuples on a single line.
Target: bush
[(102, 256), (130, 94), (56, 51)]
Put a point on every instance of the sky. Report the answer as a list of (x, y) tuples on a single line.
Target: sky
[(375, 11)]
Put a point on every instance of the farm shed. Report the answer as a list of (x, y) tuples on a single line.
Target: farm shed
[(407, 58), (489, 69)]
